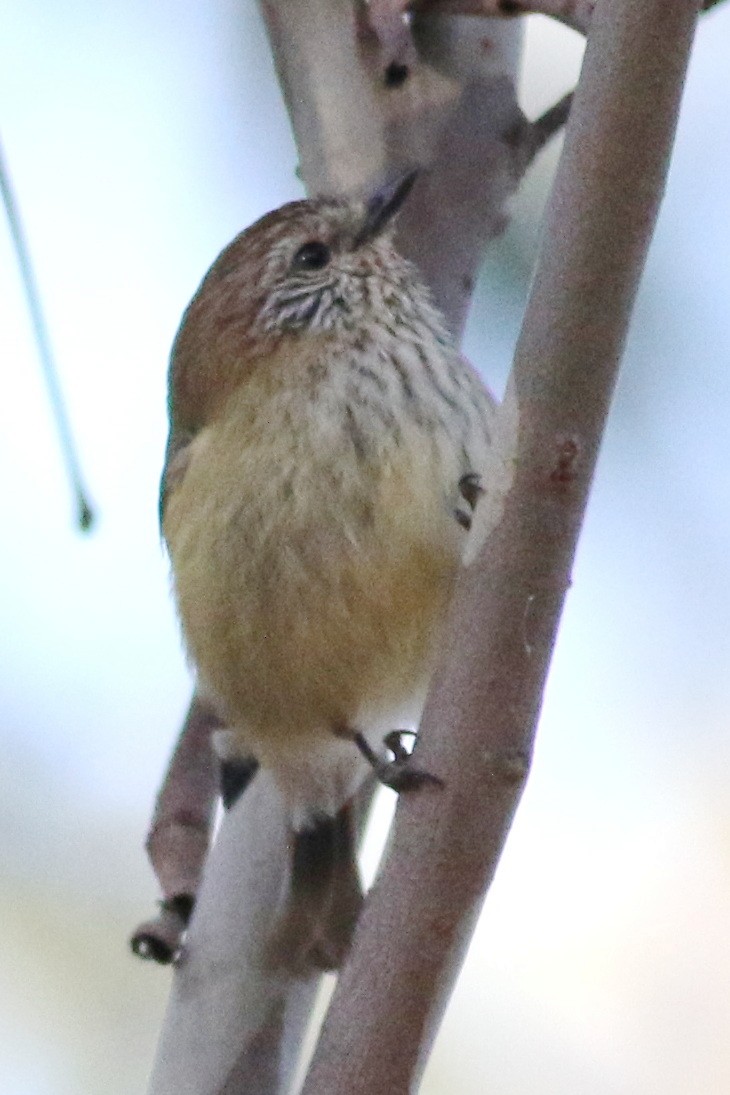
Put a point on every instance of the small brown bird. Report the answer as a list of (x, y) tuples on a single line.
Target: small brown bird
[(326, 449)]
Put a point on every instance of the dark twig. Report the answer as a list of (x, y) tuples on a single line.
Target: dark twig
[(84, 512)]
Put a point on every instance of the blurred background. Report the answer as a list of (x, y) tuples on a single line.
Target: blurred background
[(140, 139)]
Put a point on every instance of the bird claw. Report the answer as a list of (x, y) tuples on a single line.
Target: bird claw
[(470, 489), (401, 773), (160, 940), (393, 742)]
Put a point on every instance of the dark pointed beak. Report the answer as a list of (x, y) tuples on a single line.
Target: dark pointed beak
[(382, 207)]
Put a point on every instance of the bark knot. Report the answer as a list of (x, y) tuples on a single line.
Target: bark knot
[(566, 460), (507, 766)]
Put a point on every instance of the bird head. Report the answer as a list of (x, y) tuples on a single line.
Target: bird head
[(314, 267)]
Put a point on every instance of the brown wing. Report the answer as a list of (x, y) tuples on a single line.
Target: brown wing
[(177, 458)]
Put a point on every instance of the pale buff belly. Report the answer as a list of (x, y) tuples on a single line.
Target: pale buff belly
[(312, 585)]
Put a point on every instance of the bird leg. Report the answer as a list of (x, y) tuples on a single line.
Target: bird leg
[(470, 489), (235, 770), (324, 899), (400, 773)]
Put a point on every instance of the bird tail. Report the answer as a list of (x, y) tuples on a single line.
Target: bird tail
[(324, 897)]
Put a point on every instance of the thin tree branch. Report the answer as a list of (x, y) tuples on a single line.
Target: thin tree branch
[(331, 101), (180, 832), (226, 1023), (476, 161), (478, 729), (85, 516)]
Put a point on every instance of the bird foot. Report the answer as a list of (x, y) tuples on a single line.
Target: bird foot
[(471, 490), (401, 773), (160, 939)]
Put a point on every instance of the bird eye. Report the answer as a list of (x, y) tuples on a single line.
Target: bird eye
[(313, 255)]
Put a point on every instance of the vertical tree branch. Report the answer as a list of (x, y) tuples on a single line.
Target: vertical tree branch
[(479, 724), (477, 161), (224, 999), (340, 131)]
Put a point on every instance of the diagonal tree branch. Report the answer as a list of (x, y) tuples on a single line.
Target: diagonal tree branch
[(85, 515), (180, 832), (479, 724)]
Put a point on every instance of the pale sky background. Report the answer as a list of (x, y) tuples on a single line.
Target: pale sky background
[(140, 139)]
